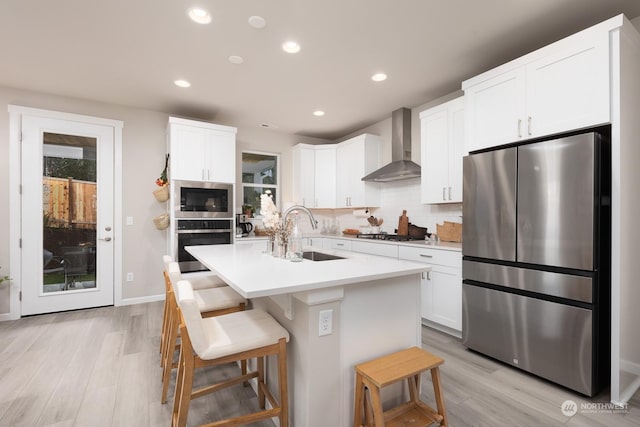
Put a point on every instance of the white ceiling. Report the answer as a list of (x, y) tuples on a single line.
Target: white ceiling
[(129, 52)]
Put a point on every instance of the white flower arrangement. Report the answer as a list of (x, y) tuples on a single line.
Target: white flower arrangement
[(269, 212), (272, 220)]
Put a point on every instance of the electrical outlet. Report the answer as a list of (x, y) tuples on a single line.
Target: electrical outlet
[(325, 323), (130, 277)]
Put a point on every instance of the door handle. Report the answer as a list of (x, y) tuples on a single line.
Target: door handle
[(106, 239), (519, 127), (107, 228)]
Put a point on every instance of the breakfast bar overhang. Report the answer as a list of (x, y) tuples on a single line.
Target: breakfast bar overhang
[(373, 304)]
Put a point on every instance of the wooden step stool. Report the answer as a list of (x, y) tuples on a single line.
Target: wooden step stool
[(407, 364)]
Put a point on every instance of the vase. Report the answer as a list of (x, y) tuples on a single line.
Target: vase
[(270, 245), (280, 247)]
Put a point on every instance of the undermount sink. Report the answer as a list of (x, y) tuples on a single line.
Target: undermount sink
[(319, 256)]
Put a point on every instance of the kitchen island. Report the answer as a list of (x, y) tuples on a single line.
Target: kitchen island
[(370, 306)]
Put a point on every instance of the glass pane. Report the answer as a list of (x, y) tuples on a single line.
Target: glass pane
[(69, 202), (259, 169)]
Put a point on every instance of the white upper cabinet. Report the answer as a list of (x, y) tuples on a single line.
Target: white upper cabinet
[(442, 139), (314, 175), (357, 157), (202, 151), (325, 176), (561, 87)]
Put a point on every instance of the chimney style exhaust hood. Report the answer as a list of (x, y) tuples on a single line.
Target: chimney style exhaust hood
[(401, 166)]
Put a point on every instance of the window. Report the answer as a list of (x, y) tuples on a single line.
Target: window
[(259, 175)]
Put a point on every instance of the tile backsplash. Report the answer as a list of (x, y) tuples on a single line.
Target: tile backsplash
[(396, 196)]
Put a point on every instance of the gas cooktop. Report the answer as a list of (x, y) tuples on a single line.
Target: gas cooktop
[(386, 236)]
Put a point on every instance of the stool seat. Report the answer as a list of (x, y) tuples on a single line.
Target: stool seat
[(211, 299), (206, 281), (406, 365)]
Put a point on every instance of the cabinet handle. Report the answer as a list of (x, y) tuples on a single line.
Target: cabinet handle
[(426, 256), (427, 276), (202, 174), (449, 193), (339, 244), (519, 128), (443, 191), (316, 204), (529, 125)]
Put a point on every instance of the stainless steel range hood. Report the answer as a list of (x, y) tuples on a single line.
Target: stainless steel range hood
[(401, 166)]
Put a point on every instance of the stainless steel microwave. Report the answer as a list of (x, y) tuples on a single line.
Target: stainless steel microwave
[(201, 199)]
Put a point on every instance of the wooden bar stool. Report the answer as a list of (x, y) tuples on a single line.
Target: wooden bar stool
[(201, 281), (223, 339), (210, 302), (406, 364)]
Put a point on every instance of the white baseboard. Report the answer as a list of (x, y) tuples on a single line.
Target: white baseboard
[(141, 300), (5, 316)]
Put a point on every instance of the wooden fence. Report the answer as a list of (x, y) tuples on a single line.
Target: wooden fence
[(69, 203)]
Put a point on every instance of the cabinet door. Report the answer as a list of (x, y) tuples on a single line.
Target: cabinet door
[(426, 296), (456, 150), (187, 145), (349, 168), (569, 89), (435, 156), (325, 178), (220, 156), (356, 158), (494, 110), (446, 297), (303, 173)]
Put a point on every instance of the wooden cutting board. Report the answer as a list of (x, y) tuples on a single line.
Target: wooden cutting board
[(403, 224)]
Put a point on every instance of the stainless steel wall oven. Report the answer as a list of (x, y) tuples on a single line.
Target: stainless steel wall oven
[(193, 232)]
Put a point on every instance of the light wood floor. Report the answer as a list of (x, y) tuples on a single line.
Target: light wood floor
[(100, 367)]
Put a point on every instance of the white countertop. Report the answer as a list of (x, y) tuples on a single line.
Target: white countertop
[(253, 273)]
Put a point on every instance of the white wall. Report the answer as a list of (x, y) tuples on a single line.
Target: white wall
[(144, 147)]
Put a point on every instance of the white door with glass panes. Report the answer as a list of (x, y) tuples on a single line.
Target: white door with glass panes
[(67, 207)]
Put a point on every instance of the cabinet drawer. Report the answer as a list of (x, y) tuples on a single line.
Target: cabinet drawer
[(431, 256), (343, 245), (381, 249)]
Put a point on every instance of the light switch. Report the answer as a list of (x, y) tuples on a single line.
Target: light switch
[(129, 220)]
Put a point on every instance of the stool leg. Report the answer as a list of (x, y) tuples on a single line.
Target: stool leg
[(358, 404), (437, 388), (283, 384), (414, 387), (261, 395), (368, 412), (376, 402)]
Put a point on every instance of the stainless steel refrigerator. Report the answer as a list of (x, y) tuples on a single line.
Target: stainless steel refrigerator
[(536, 258)]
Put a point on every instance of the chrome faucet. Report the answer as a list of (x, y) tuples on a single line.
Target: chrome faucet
[(285, 215)]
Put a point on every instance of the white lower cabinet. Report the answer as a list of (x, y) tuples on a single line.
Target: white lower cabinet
[(339, 244), (441, 287)]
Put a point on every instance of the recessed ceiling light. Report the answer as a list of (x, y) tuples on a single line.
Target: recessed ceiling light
[(199, 15), (235, 59), (379, 77), (291, 47), (257, 22), (181, 83), (318, 113)]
